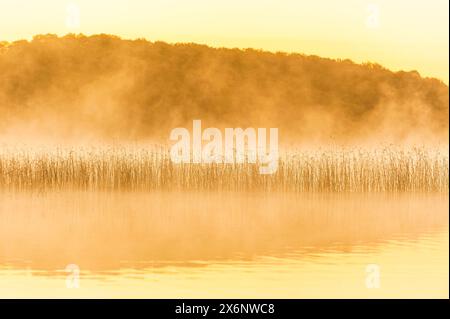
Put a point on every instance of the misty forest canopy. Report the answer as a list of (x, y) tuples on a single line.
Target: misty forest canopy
[(105, 86)]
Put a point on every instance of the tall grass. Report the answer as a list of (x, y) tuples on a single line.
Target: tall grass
[(119, 168)]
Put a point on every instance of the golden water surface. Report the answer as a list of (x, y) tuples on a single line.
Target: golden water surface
[(228, 245)]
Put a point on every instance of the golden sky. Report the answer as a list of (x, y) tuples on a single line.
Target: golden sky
[(399, 34)]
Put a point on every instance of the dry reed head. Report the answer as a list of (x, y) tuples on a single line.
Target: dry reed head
[(120, 168)]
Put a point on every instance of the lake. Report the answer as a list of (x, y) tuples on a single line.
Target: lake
[(73, 244)]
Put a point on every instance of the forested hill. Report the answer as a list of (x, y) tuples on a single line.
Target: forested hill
[(107, 87)]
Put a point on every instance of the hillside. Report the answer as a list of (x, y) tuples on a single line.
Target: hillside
[(105, 87)]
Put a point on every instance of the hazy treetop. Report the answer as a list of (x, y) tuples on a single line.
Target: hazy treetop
[(106, 87)]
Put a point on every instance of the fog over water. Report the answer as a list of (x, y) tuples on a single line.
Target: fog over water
[(85, 182)]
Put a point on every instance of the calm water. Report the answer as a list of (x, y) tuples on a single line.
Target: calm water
[(230, 245)]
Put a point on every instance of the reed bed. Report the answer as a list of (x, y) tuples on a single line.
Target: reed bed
[(122, 168)]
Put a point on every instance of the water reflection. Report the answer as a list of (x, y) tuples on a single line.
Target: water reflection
[(177, 243)]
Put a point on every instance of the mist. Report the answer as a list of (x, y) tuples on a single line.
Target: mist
[(79, 89)]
